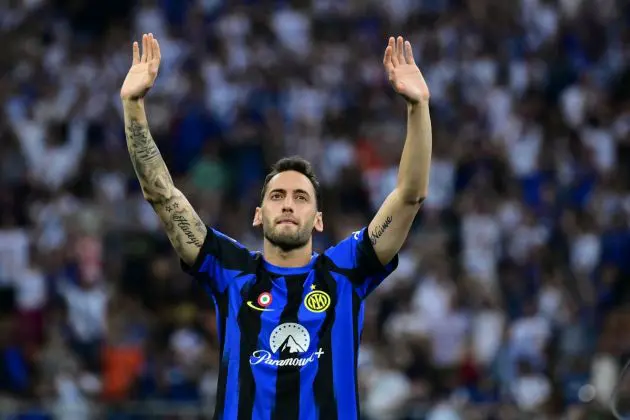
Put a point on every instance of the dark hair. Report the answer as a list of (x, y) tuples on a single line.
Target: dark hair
[(297, 164)]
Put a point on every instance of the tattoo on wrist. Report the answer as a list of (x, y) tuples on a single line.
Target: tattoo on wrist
[(380, 230)]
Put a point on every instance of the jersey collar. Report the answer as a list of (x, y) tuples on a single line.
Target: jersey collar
[(287, 271)]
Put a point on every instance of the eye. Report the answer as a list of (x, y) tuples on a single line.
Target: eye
[(275, 196), (302, 197)]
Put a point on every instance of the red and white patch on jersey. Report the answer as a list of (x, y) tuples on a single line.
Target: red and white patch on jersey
[(264, 299)]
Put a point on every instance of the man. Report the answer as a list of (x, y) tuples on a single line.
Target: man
[(289, 319)]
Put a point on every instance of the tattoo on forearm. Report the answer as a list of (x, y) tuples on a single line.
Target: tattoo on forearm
[(147, 161), (184, 225), (142, 143), (380, 230)]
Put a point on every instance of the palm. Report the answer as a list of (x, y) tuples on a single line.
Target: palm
[(403, 73), (144, 69)]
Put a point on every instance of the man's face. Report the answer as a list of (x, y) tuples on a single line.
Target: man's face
[(289, 213)]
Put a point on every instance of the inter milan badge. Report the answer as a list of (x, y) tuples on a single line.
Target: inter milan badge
[(316, 300), (264, 299)]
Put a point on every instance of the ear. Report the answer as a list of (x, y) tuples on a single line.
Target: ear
[(319, 222), (257, 217)]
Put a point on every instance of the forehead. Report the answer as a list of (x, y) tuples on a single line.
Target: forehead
[(291, 181)]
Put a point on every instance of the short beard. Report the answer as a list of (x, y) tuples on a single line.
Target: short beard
[(287, 243)]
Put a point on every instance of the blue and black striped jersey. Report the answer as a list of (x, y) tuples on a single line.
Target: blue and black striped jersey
[(289, 336)]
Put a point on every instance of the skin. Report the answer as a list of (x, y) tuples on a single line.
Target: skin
[(185, 229), (290, 195)]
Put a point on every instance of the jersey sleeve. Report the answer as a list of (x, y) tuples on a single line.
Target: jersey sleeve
[(220, 260), (355, 255)]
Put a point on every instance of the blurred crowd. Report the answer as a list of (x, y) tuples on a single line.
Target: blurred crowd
[(511, 298)]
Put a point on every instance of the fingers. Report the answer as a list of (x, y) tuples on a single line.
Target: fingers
[(400, 51), (387, 58), (143, 58), (150, 48), (136, 54), (409, 53), (392, 46), (157, 54)]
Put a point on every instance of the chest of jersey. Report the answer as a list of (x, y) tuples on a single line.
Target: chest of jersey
[(283, 318)]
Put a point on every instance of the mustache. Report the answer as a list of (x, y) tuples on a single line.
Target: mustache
[(284, 219)]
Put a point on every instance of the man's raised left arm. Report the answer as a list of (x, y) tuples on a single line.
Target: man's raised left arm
[(390, 226)]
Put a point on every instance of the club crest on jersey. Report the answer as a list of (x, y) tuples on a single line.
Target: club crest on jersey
[(316, 300)]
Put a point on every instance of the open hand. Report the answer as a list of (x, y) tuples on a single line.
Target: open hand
[(144, 69), (403, 73)]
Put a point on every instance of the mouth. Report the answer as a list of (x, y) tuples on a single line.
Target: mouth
[(287, 222)]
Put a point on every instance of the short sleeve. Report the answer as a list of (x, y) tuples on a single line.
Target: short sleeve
[(220, 260), (355, 255)]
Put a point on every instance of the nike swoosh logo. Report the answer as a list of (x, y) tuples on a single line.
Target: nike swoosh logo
[(251, 305)]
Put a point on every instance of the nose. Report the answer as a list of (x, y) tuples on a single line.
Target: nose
[(287, 205)]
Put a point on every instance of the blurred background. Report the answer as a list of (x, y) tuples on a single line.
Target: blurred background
[(511, 298)]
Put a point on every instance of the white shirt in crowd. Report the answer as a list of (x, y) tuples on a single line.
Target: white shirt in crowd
[(187, 345), (573, 104), (432, 298), (522, 142), (14, 255), (531, 391), (510, 216), (487, 335), (86, 310), (443, 411), (524, 239), (529, 335), (448, 335), (338, 154), (481, 235), (387, 393), (50, 165), (585, 252), (602, 143), (441, 184), (293, 29), (499, 109), (31, 290), (605, 372), (551, 303)]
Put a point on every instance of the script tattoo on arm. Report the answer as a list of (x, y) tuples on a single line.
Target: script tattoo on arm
[(184, 228), (380, 230)]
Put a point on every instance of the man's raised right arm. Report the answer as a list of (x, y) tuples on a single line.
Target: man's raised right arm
[(183, 226)]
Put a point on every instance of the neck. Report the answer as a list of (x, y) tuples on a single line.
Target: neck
[(295, 258)]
